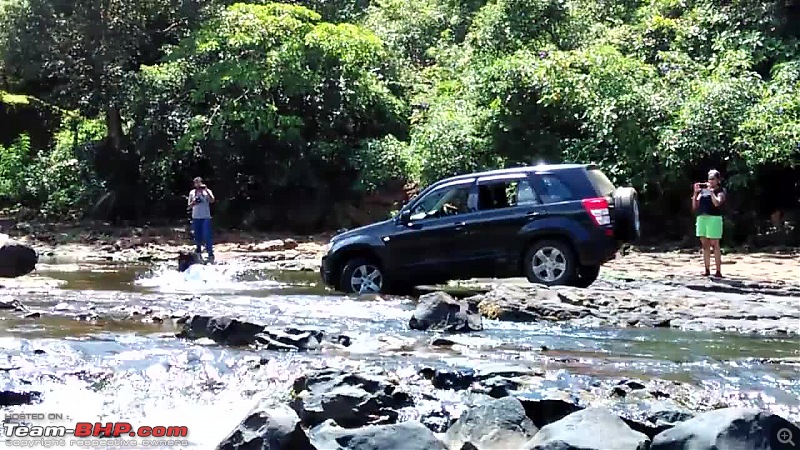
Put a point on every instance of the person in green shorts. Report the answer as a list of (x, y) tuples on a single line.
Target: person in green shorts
[(707, 203)]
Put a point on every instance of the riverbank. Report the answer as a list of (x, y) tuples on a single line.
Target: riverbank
[(93, 242)]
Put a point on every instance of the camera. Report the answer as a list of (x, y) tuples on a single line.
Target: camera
[(703, 185)]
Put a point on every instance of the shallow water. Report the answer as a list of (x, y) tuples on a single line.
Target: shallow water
[(100, 370)]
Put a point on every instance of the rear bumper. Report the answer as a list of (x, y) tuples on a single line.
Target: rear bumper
[(325, 272), (599, 250)]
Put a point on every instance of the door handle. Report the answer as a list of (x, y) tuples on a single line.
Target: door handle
[(459, 225), (533, 213)]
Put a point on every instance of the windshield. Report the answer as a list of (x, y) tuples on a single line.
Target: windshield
[(602, 185)]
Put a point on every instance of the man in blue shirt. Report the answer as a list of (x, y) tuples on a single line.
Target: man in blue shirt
[(200, 200)]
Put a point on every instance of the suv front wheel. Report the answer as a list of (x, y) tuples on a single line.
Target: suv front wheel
[(550, 263), (362, 276)]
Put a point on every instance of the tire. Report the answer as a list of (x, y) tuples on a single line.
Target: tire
[(586, 275), (560, 255), (627, 223), (358, 268)]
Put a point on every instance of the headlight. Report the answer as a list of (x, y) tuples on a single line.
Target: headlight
[(328, 246)]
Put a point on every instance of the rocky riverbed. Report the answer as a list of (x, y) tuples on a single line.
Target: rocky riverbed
[(253, 353)]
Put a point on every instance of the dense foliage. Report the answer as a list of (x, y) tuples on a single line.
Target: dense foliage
[(293, 110)]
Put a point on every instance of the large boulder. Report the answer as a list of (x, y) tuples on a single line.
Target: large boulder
[(440, 312), (275, 428), (404, 435), (494, 425), (16, 259), (351, 400), (729, 428), (593, 428)]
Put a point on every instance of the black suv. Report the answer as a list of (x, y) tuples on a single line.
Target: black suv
[(554, 224)]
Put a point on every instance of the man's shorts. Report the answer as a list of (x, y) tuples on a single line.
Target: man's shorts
[(709, 227)]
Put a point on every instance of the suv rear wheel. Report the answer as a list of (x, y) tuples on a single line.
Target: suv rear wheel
[(586, 276), (362, 276), (550, 263)]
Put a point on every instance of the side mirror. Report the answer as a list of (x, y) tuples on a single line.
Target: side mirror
[(404, 217)]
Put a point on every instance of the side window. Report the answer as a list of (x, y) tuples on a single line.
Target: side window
[(554, 190), (505, 193), (443, 202), (525, 194)]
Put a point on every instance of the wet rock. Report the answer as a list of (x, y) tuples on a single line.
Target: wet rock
[(441, 312), (548, 406), (222, 330), (668, 413), (351, 400), (501, 369), (16, 259), (228, 331), (527, 304), (268, 429), (437, 420), (494, 425), (406, 435), (732, 428), (13, 304), (497, 387), (290, 339), (589, 429), (449, 379)]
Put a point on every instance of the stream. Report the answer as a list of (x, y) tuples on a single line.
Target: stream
[(92, 361)]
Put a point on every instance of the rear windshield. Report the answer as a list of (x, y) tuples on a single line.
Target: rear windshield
[(600, 181)]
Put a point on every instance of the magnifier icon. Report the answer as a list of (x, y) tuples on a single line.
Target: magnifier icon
[(785, 436)]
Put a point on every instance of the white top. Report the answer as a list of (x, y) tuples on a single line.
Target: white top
[(201, 209)]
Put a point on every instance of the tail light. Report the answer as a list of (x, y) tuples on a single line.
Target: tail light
[(598, 209)]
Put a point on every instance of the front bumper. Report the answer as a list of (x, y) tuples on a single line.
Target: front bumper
[(325, 272)]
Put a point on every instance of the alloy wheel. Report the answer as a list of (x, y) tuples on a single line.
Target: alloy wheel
[(366, 279), (549, 264)]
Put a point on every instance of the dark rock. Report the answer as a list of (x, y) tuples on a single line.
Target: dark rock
[(188, 259), (289, 339), (13, 304), (268, 429), (16, 259), (495, 425), (438, 420), (405, 435), (351, 400), (228, 331), (441, 312), (669, 416), (728, 428), (18, 397), (344, 340), (548, 406), (497, 387), (588, 429), (222, 330), (453, 379)]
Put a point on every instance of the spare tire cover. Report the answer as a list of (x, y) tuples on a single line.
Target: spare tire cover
[(627, 224)]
